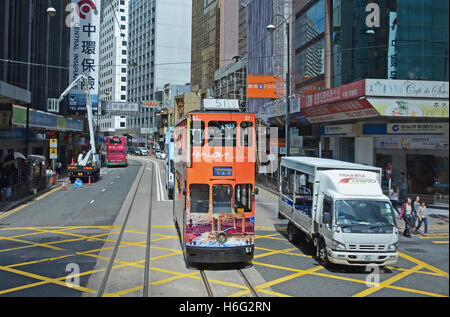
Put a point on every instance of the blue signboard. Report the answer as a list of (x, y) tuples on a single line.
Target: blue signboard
[(74, 125), (223, 171), (77, 102), (43, 119)]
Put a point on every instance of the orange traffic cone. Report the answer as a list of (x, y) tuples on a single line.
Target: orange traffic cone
[(89, 183), (72, 162), (63, 186)]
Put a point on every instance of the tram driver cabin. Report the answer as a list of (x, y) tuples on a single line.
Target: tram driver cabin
[(213, 200)]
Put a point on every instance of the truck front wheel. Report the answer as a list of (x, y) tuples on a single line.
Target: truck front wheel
[(322, 253)]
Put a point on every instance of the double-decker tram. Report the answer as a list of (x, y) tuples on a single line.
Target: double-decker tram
[(213, 203), (116, 154)]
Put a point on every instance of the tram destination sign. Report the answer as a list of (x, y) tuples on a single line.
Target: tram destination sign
[(223, 171)]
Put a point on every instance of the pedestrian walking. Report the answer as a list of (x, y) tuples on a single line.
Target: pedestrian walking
[(403, 187), (416, 205), (393, 197), (422, 216), (406, 216), (58, 168)]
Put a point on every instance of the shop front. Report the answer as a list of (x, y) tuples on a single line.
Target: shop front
[(379, 122)]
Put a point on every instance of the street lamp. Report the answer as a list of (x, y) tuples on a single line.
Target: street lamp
[(271, 28), (51, 11)]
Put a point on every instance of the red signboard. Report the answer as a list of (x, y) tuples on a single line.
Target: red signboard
[(355, 109), (341, 93)]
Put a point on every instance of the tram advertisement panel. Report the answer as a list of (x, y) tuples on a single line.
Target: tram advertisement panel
[(219, 230)]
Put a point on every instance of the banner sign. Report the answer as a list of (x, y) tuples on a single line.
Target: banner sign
[(411, 107), (343, 129), (412, 143), (392, 46), (356, 109), (120, 108), (84, 53), (407, 88), (265, 87), (43, 119), (349, 91), (417, 128)]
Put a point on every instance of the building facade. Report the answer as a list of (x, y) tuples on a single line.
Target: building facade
[(158, 51), (34, 53), (374, 95)]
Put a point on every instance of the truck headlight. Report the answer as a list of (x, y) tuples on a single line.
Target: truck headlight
[(337, 246), (393, 247)]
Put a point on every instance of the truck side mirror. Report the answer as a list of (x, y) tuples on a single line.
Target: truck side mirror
[(256, 190)]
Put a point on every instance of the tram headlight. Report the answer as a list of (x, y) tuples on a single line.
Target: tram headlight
[(222, 238)]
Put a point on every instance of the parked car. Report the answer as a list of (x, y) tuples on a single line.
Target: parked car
[(130, 150), (160, 155), (142, 151)]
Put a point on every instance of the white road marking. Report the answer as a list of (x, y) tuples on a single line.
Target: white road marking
[(103, 189), (159, 186), (92, 201)]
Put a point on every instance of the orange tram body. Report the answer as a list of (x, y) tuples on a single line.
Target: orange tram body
[(214, 206)]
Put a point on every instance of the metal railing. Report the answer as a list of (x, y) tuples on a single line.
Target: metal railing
[(23, 189), (267, 181)]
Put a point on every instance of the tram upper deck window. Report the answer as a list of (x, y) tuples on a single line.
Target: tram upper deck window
[(246, 133), (199, 198), (222, 133), (222, 196), (197, 133)]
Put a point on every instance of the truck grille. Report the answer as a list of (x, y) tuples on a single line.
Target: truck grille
[(366, 247)]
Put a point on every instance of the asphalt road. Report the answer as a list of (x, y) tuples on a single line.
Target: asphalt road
[(44, 245)]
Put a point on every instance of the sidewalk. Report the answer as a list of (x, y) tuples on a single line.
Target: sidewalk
[(11, 204), (437, 217)]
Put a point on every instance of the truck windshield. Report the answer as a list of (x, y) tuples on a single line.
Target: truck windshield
[(364, 212)]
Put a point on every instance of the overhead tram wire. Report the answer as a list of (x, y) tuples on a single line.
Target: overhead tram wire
[(255, 57)]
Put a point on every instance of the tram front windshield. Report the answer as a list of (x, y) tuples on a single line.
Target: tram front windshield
[(222, 196)]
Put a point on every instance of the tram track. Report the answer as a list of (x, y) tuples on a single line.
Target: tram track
[(242, 276), (146, 278)]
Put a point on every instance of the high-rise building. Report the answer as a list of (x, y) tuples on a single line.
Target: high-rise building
[(34, 53), (159, 52), (216, 34), (159, 46), (113, 61), (113, 50)]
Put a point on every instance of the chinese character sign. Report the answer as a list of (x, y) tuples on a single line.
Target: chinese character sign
[(84, 52)]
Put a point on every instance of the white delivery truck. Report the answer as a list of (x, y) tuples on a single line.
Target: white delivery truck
[(340, 207)]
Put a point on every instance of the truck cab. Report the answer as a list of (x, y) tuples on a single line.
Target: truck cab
[(341, 208), (356, 222)]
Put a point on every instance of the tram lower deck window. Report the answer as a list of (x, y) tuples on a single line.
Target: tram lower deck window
[(199, 198), (222, 196)]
